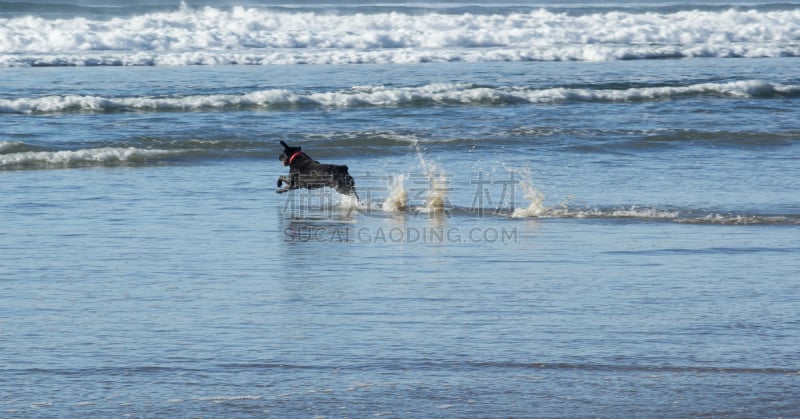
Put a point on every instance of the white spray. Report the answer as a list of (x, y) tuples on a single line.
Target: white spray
[(436, 195), (349, 204), (535, 198), (397, 201)]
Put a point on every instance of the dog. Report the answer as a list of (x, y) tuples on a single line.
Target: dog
[(305, 172)]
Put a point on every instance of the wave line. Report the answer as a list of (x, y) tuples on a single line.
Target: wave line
[(436, 94)]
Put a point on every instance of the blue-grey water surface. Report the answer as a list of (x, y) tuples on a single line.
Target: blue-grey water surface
[(149, 269)]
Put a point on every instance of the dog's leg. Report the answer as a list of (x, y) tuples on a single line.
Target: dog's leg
[(346, 185), (288, 181)]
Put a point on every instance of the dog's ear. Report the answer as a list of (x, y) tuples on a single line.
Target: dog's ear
[(284, 144)]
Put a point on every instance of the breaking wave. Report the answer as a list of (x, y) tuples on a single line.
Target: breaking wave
[(256, 35), (105, 156), (389, 96), (135, 152)]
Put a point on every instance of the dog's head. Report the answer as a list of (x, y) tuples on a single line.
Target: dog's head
[(288, 152)]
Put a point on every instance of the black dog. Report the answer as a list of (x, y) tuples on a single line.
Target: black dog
[(304, 172)]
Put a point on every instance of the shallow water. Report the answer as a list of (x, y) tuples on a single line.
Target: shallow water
[(127, 304)]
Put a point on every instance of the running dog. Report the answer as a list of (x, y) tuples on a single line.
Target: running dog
[(305, 172)]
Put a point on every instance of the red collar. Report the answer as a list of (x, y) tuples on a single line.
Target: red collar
[(296, 153)]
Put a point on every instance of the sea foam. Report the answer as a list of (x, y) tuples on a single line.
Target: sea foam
[(250, 35)]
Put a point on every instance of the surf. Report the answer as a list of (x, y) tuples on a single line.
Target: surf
[(428, 95), (90, 157), (357, 35)]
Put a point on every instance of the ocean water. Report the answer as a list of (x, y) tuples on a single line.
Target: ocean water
[(564, 210)]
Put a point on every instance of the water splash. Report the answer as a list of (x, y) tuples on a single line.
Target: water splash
[(536, 207), (349, 204), (436, 196), (397, 201)]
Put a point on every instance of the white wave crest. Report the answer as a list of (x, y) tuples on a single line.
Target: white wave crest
[(537, 209), (360, 96), (73, 158), (634, 212), (742, 219), (737, 89), (247, 35), (223, 399)]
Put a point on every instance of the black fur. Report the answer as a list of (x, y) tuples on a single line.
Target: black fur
[(304, 172)]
